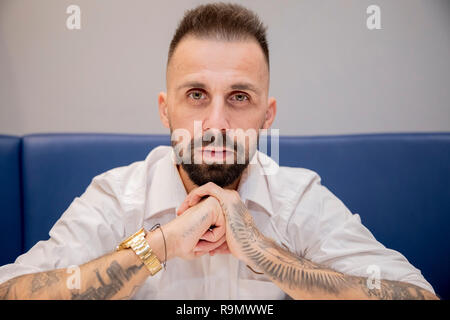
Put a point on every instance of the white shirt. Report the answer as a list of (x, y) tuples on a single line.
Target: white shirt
[(291, 207)]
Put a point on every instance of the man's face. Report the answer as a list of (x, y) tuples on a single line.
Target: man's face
[(223, 85)]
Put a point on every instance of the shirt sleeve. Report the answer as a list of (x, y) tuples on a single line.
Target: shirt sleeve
[(324, 231), (88, 229)]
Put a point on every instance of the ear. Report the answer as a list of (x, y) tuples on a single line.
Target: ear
[(270, 113), (163, 109)]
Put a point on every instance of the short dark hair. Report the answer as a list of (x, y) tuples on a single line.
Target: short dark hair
[(223, 21)]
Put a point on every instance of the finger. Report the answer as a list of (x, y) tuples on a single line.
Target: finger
[(208, 189), (223, 249), (212, 235), (183, 207), (205, 246), (186, 204)]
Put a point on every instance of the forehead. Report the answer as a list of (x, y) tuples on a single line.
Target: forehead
[(198, 58)]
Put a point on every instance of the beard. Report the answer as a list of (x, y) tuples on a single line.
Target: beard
[(222, 174)]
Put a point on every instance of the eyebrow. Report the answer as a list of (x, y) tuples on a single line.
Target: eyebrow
[(244, 86), (191, 84), (236, 86)]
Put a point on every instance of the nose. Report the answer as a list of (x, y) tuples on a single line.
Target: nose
[(216, 117)]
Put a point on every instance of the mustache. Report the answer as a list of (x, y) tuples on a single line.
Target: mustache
[(188, 149), (217, 140)]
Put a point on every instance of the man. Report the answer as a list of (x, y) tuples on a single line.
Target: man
[(229, 229)]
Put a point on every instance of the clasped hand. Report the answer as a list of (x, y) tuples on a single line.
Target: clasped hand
[(210, 221)]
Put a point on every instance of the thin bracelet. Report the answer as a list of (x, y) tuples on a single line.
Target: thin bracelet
[(254, 270), (156, 226)]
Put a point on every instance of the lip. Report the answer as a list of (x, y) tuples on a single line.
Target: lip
[(217, 150), (216, 154)]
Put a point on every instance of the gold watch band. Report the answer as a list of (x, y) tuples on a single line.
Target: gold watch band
[(140, 246)]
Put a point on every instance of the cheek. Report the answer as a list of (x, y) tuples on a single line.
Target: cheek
[(251, 120), (183, 118), (184, 107)]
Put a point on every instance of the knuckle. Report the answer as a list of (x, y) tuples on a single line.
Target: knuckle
[(235, 194), (210, 184)]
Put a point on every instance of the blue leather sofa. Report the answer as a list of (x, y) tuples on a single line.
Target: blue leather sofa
[(398, 183), (11, 218)]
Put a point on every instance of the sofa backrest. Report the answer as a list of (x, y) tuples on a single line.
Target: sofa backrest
[(10, 199), (59, 167), (398, 183)]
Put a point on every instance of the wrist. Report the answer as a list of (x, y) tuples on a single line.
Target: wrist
[(254, 249), (159, 243)]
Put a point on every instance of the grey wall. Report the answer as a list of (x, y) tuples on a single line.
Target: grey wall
[(330, 74)]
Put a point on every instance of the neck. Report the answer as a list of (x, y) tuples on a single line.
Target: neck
[(189, 185)]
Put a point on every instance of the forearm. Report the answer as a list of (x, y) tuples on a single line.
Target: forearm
[(303, 279), (299, 277), (116, 275)]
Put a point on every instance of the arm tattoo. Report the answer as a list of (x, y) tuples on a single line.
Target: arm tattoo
[(116, 274), (43, 280), (283, 266), (7, 290), (38, 281), (117, 278), (395, 290)]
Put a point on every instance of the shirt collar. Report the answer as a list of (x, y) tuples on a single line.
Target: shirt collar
[(253, 185), (167, 190)]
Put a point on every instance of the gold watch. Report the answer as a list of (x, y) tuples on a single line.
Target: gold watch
[(142, 249)]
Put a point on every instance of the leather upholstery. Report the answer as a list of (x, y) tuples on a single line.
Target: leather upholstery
[(10, 199), (58, 168), (398, 183)]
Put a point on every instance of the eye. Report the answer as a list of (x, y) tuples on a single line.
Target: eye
[(196, 95), (240, 97)]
